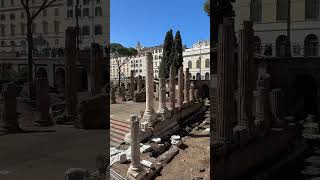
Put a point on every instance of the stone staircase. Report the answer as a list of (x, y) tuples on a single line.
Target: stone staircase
[(118, 130)]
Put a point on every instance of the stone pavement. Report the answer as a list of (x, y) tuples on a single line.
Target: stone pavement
[(47, 155)]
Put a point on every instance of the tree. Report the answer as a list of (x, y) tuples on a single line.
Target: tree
[(176, 55), (30, 18), (166, 61), (122, 56)]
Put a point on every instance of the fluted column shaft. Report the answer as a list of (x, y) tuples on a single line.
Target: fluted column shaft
[(225, 88), (186, 87), (180, 87), (162, 95), (245, 81), (135, 143), (149, 114)]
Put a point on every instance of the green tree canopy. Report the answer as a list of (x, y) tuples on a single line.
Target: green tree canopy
[(177, 48), (167, 50)]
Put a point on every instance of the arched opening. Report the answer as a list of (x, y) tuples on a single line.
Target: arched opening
[(281, 46), (205, 91), (257, 45), (207, 76), (41, 73), (59, 81), (198, 76), (311, 44), (304, 96), (83, 80), (190, 65), (198, 64)]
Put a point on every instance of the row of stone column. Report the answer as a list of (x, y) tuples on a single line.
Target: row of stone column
[(268, 104)]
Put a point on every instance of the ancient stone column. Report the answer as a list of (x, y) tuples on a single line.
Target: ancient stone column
[(70, 73), (149, 114), (172, 89), (10, 117), (42, 86), (163, 110), (123, 92), (225, 94), (135, 170), (113, 95), (276, 96), (245, 81), (95, 71), (157, 92), (186, 87), (263, 113), (180, 87), (132, 86), (139, 84), (196, 95), (191, 92)]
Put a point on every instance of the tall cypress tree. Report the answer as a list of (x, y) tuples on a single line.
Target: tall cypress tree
[(176, 54), (166, 60)]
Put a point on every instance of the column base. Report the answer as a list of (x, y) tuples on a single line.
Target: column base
[(136, 173), (241, 135), (150, 117), (164, 112)]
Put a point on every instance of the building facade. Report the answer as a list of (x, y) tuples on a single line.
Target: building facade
[(196, 58), (270, 25), (48, 27), (92, 19)]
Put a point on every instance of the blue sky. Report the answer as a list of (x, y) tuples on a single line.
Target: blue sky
[(148, 21)]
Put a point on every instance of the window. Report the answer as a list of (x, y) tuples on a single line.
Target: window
[(85, 2), (98, 11), (13, 44), (311, 44), (85, 12), (190, 65), (282, 10), (207, 76), (312, 9), (13, 29), (257, 45), (57, 27), (2, 3), (45, 27), (70, 13), (3, 17), (281, 46), (255, 10), (3, 43), (23, 43), (198, 76), (79, 12), (70, 3), (98, 30), (3, 28), (12, 16), (207, 63), (198, 64), (44, 13), (56, 42), (23, 28), (85, 30), (56, 11), (12, 3)]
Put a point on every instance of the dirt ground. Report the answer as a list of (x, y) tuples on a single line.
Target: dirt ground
[(194, 161)]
